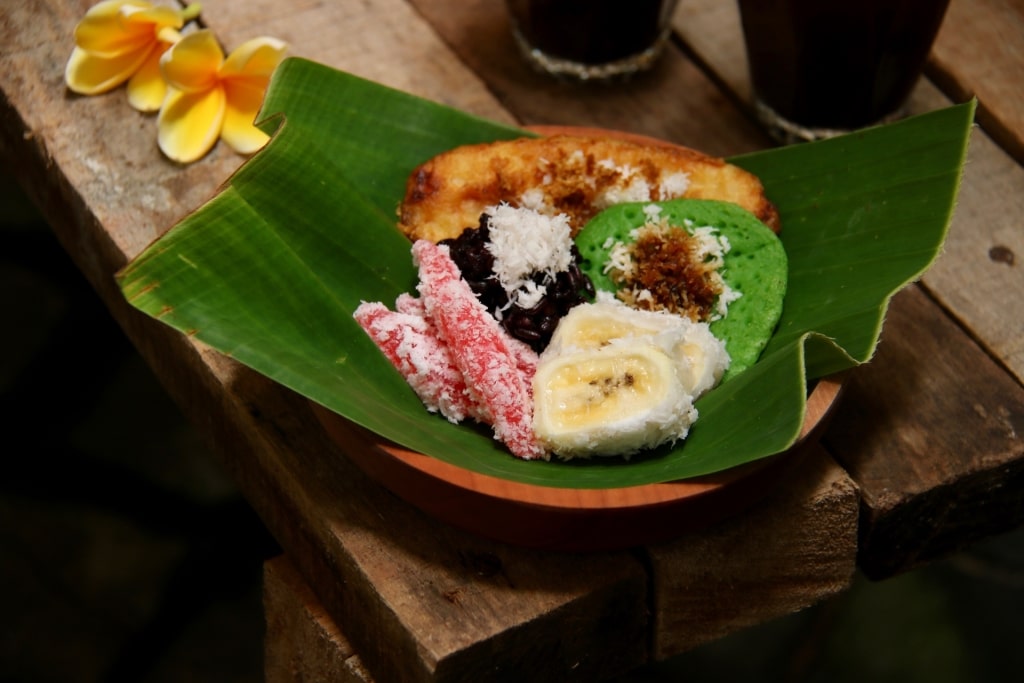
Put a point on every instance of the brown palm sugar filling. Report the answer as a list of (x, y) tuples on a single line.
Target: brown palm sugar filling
[(666, 264)]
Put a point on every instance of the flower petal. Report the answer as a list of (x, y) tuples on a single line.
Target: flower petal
[(147, 88), (191, 65), (189, 124), (257, 57), (103, 32), (89, 74), (151, 18), (243, 103)]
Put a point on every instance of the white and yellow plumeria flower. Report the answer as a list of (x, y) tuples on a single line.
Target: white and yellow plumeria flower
[(122, 40), (212, 97)]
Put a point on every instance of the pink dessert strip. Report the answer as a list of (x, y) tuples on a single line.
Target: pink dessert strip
[(526, 361), (411, 344), (411, 305), (526, 357), (407, 303), (480, 349)]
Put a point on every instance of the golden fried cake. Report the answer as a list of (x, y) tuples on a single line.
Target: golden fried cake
[(575, 175)]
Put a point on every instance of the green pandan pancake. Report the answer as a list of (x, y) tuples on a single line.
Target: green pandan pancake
[(632, 250)]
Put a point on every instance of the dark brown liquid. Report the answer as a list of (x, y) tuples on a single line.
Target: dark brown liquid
[(589, 31), (838, 65)]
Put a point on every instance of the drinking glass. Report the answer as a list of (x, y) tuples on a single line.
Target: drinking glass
[(591, 39), (819, 68)]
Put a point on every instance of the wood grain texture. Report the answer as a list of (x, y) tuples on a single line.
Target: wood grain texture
[(382, 40), (995, 29), (301, 642), (785, 554), (94, 160), (436, 603), (432, 604), (952, 472), (801, 541), (978, 277)]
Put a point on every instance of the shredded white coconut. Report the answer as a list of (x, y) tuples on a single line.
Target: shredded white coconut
[(727, 296), (710, 249), (638, 190), (535, 200), (674, 185), (525, 242), (620, 259)]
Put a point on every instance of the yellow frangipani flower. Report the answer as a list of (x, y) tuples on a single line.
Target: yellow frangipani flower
[(122, 40), (212, 97)]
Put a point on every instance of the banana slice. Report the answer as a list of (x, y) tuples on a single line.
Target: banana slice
[(615, 380), (700, 358), (613, 400), (592, 326)]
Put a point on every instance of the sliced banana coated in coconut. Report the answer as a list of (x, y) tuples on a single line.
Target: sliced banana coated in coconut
[(613, 400), (591, 326), (698, 356), (616, 380), (701, 359)]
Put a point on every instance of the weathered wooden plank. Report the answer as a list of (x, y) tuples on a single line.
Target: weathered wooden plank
[(979, 277), (791, 550), (788, 552), (301, 642), (93, 158), (953, 470), (443, 604), (994, 28), (479, 609), (383, 40), (794, 548)]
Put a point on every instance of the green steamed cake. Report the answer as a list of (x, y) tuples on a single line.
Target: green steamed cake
[(755, 265)]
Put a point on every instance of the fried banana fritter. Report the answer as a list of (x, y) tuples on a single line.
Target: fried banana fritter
[(578, 176)]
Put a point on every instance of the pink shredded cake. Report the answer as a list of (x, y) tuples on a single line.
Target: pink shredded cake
[(411, 344), (455, 355)]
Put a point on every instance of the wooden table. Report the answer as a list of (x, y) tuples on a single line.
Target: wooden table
[(924, 456)]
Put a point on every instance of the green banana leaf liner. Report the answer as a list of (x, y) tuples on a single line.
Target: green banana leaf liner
[(270, 270)]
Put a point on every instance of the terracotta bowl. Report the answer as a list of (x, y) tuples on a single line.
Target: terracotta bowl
[(570, 519)]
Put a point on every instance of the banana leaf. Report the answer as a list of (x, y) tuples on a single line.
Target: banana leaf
[(270, 270)]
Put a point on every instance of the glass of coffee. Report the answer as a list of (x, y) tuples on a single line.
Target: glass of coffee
[(591, 39), (822, 68)]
